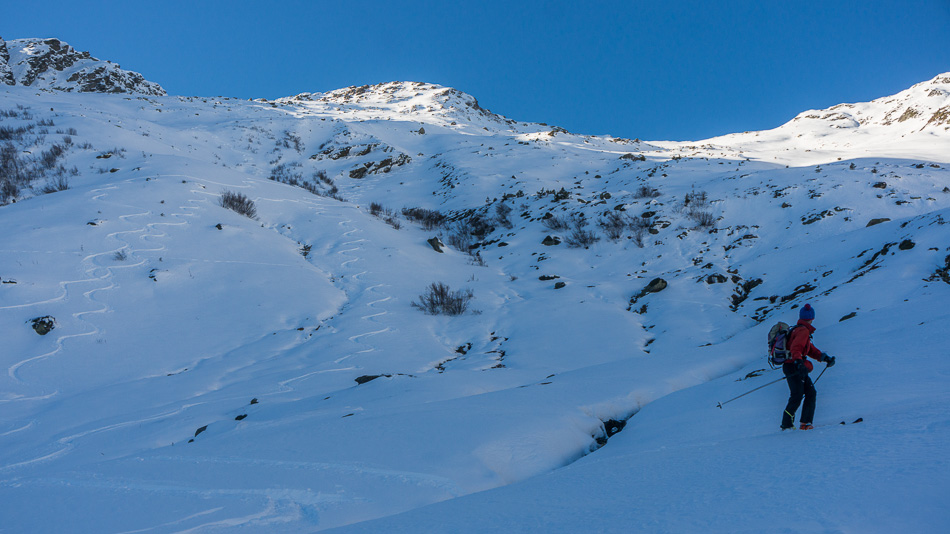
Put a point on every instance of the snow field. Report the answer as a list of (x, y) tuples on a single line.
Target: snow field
[(203, 378)]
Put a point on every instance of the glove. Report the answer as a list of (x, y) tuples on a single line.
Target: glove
[(800, 369), (829, 360)]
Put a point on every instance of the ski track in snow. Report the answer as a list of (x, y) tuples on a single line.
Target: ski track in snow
[(97, 272), (357, 253)]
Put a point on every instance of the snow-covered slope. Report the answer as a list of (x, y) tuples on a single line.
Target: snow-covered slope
[(211, 372)]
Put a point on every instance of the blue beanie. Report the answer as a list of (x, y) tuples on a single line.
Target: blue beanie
[(807, 313)]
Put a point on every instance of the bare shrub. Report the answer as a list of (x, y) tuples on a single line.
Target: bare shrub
[(579, 236), (10, 164), (459, 237), (439, 299), (120, 255), (479, 225), (468, 231), (638, 235), (8, 190), (392, 219), (704, 219), (502, 213), (614, 223), (48, 158), (639, 227), (645, 191), (291, 140), (55, 184), (696, 204), (556, 223), (239, 203), (14, 133), (696, 200), (429, 219), (285, 174)]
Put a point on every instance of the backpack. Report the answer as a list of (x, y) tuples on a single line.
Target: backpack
[(778, 341)]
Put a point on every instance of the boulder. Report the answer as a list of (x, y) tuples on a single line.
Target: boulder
[(436, 244), (43, 325), (655, 286)]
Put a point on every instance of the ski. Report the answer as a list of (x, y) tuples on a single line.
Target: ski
[(858, 420)]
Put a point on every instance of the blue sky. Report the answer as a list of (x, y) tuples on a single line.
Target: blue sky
[(682, 70)]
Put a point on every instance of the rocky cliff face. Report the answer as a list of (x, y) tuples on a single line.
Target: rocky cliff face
[(6, 73), (53, 64)]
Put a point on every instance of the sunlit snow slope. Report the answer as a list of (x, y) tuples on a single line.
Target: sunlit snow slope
[(212, 372)]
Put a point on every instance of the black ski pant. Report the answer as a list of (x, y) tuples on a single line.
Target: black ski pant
[(798, 386)]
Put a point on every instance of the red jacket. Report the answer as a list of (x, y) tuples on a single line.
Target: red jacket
[(799, 344)]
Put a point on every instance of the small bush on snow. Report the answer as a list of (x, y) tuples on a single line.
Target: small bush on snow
[(239, 203), (439, 299), (579, 236)]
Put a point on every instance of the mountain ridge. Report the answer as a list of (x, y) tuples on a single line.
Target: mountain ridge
[(55, 65)]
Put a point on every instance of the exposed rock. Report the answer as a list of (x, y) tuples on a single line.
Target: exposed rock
[(800, 290), (560, 285), (551, 241), (369, 378), (851, 315), (942, 273), (872, 222), (43, 325), (716, 279), (743, 290), (6, 73), (815, 217), (633, 157), (906, 244), (880, 185), (655, 286), (436, 244)]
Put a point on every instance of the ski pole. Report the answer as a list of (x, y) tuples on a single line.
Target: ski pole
[(819, 374), (747, 392)]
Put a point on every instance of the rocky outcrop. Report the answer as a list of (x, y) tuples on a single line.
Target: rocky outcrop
[(6, 73), (53, 64)]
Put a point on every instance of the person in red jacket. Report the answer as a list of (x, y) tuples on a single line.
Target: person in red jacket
[(797, 367)]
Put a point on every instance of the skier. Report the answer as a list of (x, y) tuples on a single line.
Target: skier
[(796, 370)]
